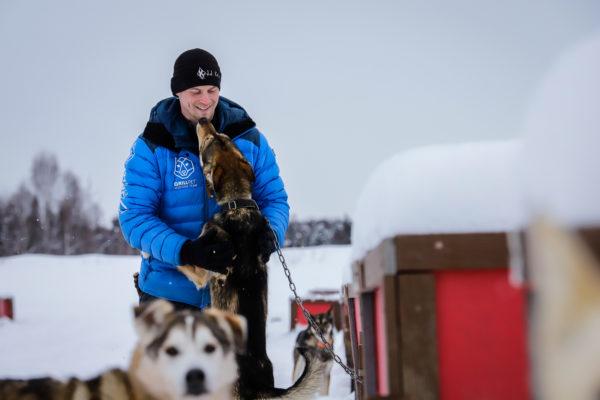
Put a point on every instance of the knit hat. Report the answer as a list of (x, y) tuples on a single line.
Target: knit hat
[(195, 67)]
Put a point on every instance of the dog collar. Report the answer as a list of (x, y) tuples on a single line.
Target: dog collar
[(239, 203)]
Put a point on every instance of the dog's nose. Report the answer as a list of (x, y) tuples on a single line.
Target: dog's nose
[(194, 380)]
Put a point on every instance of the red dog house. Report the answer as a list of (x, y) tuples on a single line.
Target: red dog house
[(436, 317), (6, 308), (316, 302)]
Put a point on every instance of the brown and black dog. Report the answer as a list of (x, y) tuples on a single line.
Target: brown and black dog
[(243, 289)]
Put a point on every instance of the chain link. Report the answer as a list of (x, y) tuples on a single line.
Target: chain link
[(309, 318)]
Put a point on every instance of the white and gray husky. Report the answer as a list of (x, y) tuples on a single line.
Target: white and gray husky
[(180, 355)]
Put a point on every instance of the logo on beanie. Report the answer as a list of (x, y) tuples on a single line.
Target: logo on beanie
[(202, 74)]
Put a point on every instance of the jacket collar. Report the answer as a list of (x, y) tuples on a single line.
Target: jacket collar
[(166, 119)]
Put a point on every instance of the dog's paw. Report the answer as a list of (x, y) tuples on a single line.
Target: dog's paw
[(198, 276)]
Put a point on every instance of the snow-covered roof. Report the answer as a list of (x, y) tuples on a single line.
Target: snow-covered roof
[(561, 148), (455, 188), (498, 186)]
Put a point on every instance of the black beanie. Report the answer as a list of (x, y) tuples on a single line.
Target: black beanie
[(195, 67)]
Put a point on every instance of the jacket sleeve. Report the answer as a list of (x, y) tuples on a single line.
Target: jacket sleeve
[(140, 199), (268, 190)]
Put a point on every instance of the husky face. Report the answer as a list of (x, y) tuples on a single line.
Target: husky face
[(187, 354), (325, 323)]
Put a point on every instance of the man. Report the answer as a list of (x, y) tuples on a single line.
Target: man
[(164, 202)]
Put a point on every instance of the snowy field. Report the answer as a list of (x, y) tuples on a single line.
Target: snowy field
[(74, 314)]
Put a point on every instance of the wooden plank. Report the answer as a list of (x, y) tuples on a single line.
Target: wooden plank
[(418, 342), (360, 389), (352, 355), (378, 263), (392, 333), (451, 251), (293, 312), (367, 309)]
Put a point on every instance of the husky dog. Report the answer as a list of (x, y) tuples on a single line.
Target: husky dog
[(179, 355), (308, 339), (243, 288)]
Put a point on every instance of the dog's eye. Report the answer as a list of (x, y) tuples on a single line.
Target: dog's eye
[(209, 348), (172, 351)]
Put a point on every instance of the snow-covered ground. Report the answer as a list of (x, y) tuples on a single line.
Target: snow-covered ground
[(74, 314)]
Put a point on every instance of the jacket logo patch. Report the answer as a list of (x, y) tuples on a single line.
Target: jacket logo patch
[(184, 167)]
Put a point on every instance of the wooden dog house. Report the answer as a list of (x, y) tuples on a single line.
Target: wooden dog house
[(436, 314), (316, 302), (439, 303), (437, 318), (6, 308)]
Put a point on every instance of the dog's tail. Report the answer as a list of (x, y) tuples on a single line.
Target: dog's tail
[(136, 284), (307, 385)]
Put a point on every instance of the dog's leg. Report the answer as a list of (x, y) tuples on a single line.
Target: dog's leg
[(299, 365), (198, 276), (256, 370), (326, 380)]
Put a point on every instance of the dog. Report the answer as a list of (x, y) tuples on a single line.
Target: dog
[(565, 313), (179, 355), (308, 339), (243, 288)]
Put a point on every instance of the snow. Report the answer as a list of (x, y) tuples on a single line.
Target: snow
[(467, 187), (74, 313), (562, 139)]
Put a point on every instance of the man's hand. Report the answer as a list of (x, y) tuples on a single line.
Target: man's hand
[(266, 241), (210, 251)]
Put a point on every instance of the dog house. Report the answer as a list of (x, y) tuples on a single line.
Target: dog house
[(438, 310), (447, 300), (316, 302), (6, 308)]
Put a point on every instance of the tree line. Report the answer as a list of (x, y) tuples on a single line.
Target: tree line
[(54, 214)]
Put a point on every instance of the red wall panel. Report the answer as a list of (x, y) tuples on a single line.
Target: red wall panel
[(481, 336)]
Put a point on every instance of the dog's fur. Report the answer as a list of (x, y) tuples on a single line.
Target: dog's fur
[(566, 314), (243, 289), (308, 339), (180, 355)]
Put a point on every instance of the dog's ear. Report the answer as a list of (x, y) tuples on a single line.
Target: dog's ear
[(239, 327), (207, 170), (234, 325), (247, 168), (330, 313), (216, 177), (149, 317)]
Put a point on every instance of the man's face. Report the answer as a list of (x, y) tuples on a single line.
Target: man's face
[(199, 102)]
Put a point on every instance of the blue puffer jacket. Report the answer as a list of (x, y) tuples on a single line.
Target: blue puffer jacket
[(164, 200)]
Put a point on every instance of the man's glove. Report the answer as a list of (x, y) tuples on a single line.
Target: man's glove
[(265, 241), (210, 251)]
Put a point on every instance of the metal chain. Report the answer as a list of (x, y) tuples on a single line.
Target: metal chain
[(309, 318)]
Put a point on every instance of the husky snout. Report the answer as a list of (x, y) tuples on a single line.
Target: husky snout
[(195, 382)]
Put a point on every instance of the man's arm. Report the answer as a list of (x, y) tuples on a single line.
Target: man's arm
[(140, 199), (269, 191)]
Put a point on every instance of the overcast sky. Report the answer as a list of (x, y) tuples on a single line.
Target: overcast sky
[(336, 86)]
